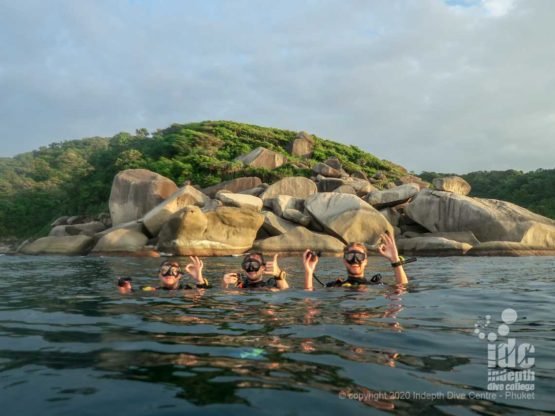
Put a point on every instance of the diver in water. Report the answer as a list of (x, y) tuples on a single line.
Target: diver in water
[(170, 275), (125, 285), (254, 267), (355, 259)]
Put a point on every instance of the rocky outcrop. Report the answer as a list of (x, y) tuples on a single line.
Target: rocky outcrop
[(345, 189), (274, 225), (296, 216), (347, 217), (135, 192), (237, 185), (189, 222), (509, 249), (297, 186), (361, 186), (412, 179), (466, 237), (222, 232), (262, 158), (392, 197), (358, 174), (298, 240), (302, 146), (282, 202), (454, 184), (131, 225), (326, 170), (68, 245), (329, 184), (256, 191), (60, 221), (121, 240), (539, 236), (488, 219), (431, 246), (90, 229), (240, 201), (157, 217), (58, 231), (334, 163)]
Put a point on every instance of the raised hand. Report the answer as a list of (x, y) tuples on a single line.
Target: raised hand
[(195, 269), (310, 260), (272, 267), (230, 279), (388, 248)]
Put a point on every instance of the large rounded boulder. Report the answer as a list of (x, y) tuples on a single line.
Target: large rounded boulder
[(135, 192), (488, 219), (296, 186), (454, 184), (297, 240), (262, 158), (274, 225), (188, 195), (347, 217), (432, 246), (234, 185), (239, 200), (67, 245), (391, 197), (302, 146), (122, 241), (224, 231)]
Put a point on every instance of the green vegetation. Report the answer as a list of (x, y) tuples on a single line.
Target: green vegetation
[(75, 177), (532, 190)]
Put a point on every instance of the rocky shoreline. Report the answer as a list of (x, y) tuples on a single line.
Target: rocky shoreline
[(149, 216)]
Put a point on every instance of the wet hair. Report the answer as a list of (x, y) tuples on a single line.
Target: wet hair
[(255, 254), (122, 281), (355, 245)]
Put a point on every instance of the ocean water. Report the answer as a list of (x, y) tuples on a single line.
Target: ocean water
[(71, 344)]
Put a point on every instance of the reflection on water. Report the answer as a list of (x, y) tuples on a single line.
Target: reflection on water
[(67, 336)]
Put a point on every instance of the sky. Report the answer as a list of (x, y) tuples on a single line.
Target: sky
[(436, 85)]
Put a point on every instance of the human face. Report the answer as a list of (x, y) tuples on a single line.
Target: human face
[(169, 275), (253, 267), (124, 285), (355, 261)]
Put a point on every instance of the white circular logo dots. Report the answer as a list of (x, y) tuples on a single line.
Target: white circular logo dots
[(509, 316), (503, 330), (492, 337), (481, 335)]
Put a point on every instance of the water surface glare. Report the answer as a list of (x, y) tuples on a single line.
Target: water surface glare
[(71, 344)]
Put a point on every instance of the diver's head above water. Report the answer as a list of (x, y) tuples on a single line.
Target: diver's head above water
[(170, 274), (355, 259), (254, 266)]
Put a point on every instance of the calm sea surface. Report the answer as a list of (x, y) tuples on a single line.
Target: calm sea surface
[(70, 344)]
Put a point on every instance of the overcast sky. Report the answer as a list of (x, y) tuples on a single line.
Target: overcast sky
[(443, 85)]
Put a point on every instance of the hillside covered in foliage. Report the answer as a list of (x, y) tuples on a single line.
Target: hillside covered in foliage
[(533, 190), (75, 177)]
